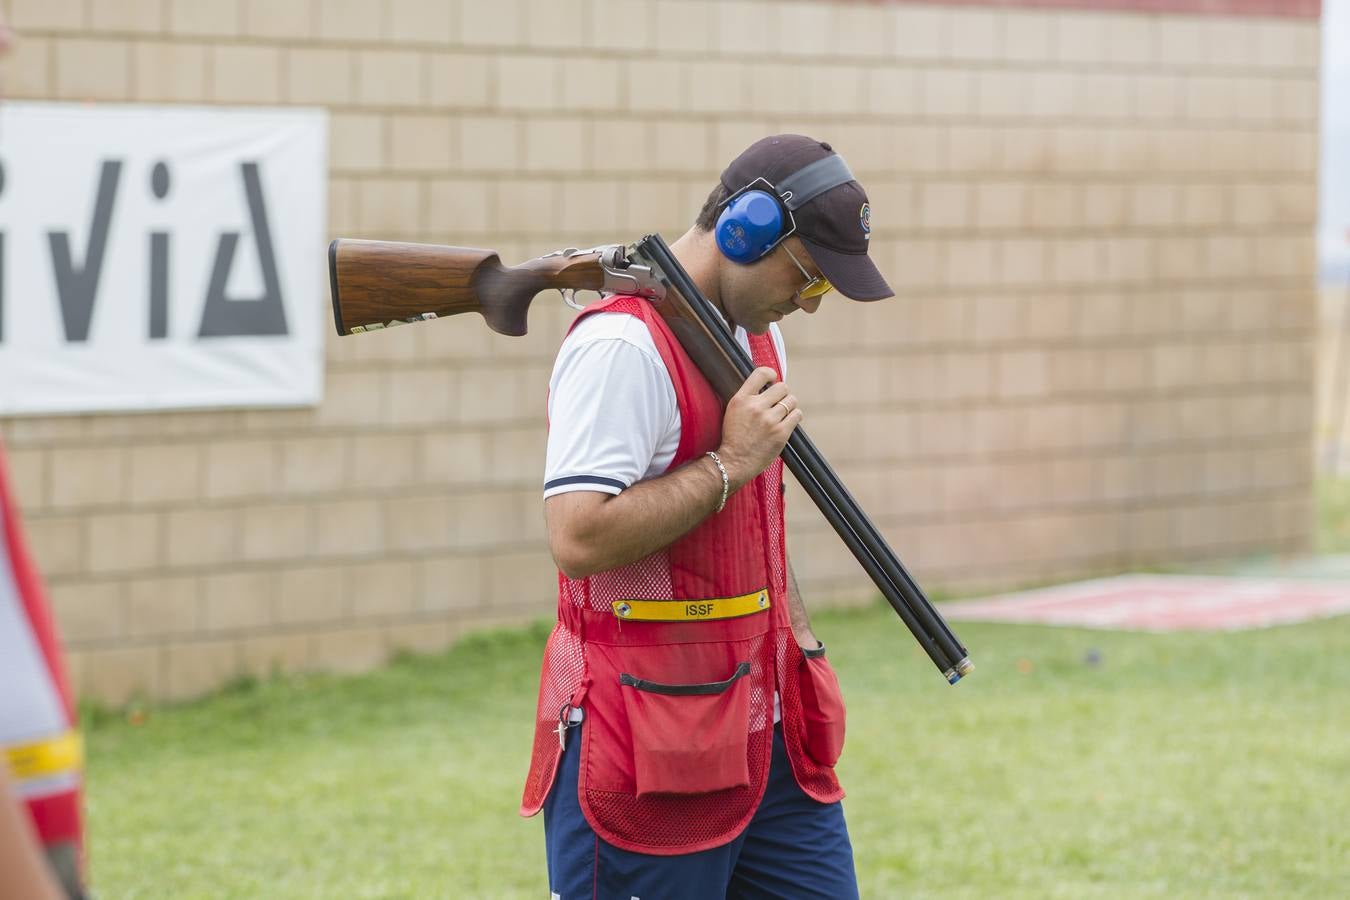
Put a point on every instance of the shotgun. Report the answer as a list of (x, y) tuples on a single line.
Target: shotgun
[(382, 284)]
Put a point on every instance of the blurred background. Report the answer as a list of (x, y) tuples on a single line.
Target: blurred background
[(1119, 343), (1100, 224)]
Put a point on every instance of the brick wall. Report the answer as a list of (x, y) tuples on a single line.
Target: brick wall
[(1100, 226)]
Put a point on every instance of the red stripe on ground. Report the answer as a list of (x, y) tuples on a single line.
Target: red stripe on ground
[(1164, 603), (1285, 9)]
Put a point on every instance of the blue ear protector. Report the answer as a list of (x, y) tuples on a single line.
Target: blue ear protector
[(754, 221), (751, 223)]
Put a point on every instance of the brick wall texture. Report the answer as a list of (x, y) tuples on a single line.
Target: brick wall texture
[(1099, 224)]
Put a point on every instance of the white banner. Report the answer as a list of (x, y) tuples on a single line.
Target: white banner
[(161, 257)]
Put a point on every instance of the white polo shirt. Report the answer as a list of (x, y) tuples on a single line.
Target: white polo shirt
[(613, 417)]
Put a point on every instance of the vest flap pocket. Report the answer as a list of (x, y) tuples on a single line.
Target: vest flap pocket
[(689, 738), (822, 710)]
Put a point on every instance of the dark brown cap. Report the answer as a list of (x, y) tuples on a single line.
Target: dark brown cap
[(834, 225)]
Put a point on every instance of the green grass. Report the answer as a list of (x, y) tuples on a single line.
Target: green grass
[(1213, 765), (1179, 766), (1333, 509)]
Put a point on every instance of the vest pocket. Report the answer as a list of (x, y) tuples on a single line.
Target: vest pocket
[(822, 709), (688, 738)]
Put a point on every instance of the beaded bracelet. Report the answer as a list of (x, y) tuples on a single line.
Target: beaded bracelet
[(726, 482)]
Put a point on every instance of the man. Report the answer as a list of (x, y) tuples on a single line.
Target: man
[(48, 797), (40, 747), (688, 722)]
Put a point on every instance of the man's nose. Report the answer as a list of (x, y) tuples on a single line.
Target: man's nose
[(808, 305)]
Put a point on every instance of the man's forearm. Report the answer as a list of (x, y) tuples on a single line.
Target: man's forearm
[(801, 625), (640, 520)]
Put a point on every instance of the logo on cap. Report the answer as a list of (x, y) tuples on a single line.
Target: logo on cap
[(865, 217)]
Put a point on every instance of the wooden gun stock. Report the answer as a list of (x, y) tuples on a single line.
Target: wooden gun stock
[(376, 284)]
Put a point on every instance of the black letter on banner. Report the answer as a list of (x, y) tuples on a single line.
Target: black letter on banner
[(77, 288), (231, 317), (159, 285), (159, 261)]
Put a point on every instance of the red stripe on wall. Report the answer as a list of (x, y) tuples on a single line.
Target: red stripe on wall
[(1292, 9)]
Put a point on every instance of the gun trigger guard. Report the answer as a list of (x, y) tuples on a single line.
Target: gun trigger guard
[(567, 296)]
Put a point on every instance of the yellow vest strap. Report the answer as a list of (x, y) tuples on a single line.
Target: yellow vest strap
[(691, 610), (43, 759)]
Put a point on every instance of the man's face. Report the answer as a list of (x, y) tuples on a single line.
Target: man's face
[(765, 291)]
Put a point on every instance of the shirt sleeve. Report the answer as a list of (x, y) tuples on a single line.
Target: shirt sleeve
[(611, 405)]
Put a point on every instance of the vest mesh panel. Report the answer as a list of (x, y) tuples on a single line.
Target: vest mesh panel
[(564, 665)]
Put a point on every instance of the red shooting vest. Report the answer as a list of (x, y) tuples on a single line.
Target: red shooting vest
[(679, 714)]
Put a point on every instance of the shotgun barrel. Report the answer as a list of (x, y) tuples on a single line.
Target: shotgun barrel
[(824, 488)]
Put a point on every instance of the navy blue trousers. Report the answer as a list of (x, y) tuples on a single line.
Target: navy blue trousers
[(794, 847)]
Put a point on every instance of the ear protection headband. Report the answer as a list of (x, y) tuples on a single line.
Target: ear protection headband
[(755, 220)]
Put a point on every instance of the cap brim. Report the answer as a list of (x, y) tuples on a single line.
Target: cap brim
[(852, 274)]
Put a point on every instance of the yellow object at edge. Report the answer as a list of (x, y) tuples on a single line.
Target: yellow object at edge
[(42, 759)]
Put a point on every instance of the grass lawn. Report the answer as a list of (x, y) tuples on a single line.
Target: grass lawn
[(1333, 508), (1177, 766)]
